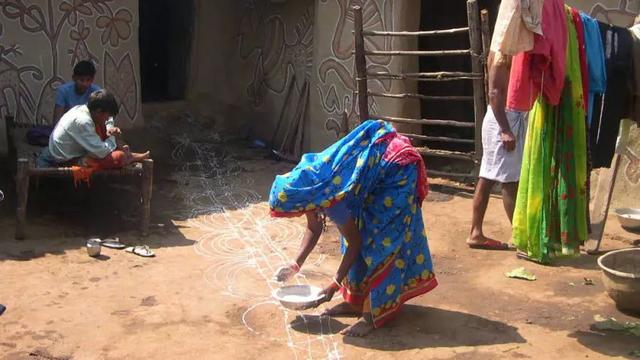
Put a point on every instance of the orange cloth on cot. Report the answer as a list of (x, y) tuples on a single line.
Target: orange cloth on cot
[(115, 160)]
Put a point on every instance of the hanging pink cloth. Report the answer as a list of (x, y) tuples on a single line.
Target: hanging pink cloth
[(544, 67)]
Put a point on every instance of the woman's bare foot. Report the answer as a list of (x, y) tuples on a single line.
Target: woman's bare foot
[(361, 328), (138, 157), (343, 309)]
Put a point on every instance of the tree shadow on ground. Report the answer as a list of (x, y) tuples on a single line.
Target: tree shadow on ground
[(610, 344), (418, 327)]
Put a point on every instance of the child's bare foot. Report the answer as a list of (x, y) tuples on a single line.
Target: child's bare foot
[(361, 328), (343, 309), (138, 157)]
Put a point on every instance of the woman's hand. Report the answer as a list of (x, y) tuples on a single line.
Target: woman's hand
[(328, 293), (285, 273)]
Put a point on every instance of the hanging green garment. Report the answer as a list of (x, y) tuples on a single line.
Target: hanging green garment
[(550, 216)]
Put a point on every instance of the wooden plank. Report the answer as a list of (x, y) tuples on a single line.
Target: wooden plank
[(344, 125), (417, 33), (435, 173), (479, 97), (601, 204), (418, 53), (421, 97), (431, 122), (446, 154), (68, 172), (438, 74), (147, 191), (438, 138), (361, 65), (423, 79), (22, 193)]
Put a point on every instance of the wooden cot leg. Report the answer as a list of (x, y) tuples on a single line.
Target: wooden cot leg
[(22, 192), (147, 189)]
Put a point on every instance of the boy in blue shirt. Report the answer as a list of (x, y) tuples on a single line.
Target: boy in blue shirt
[(76, 92)]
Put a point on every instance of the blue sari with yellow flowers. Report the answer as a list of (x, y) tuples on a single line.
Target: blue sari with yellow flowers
[(382, 180)]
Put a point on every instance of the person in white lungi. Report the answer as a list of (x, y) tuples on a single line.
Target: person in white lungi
[(503, 136)]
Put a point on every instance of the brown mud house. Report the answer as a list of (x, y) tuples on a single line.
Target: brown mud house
[(252, 67)]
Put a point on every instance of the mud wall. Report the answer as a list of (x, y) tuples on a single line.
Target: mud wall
[(41, 40), (253, 60)]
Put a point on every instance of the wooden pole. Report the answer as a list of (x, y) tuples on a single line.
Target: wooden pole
[(416, 33), (431, 122), (601, 204), (147, 191), (422, 97), (344, 125), (486, 47), (479, 98), (418, 53), (361, 65), (22, 193)]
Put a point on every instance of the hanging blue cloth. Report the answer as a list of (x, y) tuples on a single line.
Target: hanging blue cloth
[(595, 61)]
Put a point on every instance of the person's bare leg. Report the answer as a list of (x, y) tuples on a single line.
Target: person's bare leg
[(509, 195), (138, 157), (480, 203)]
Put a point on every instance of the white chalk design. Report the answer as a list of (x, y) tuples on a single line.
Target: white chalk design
[(243, 248)]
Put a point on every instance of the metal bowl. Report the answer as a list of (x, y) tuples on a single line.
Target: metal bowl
[(629, 218), (621, 277), (298, 297)]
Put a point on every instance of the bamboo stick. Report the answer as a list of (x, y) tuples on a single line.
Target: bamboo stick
[(446, 154), (418, 53), (361, 65), (432, 122), (434, 173), (421, 97), (417, 33), (439, 138)]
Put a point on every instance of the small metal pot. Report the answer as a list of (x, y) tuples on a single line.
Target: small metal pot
[(93, 247)]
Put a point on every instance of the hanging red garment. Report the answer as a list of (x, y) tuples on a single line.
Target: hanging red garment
[(582, 50), (542, 69)]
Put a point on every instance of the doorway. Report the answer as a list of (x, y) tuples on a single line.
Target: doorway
[(166, 33), (432, 19)]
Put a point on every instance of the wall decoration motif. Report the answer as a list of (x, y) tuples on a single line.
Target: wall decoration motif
[(337, 87), (621, 14), (280, 51), (120, 78), (57, 35)]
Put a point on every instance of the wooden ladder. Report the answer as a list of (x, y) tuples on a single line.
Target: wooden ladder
[(478, 31)]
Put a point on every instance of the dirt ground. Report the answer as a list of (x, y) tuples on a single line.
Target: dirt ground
[(206, 295)]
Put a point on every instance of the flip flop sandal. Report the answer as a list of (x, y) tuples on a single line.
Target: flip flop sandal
[(113, 244), (491, 245), (142, 250)]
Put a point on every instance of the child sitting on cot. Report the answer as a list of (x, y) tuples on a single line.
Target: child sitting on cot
[(75, 92), (85, 136)]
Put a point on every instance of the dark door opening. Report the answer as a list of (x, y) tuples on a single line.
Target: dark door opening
[(437, 15), (166, 32)]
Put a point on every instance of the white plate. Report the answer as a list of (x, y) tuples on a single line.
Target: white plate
[(298, 297)]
